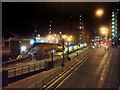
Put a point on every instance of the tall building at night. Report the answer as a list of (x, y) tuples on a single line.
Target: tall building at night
[(50, 27), (80, 39), (114, 27)]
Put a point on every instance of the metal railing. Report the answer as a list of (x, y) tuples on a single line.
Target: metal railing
[(25, 69)]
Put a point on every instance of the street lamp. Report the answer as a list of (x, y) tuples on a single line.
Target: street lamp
[(99, 12), (62, 63), (68, 39), (52, 37), (104, 31), (63, 41)]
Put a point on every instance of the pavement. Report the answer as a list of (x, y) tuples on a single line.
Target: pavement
[(27, 82)]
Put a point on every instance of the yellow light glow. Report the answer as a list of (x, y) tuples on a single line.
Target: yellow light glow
[(104, 30), (64, 36), (70, 36), (99, 12), (69, 39), (53, 38), (55, 35)]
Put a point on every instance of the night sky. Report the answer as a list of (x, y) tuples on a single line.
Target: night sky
[(23, 18)]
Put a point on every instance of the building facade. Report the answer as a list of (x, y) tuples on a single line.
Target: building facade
[(114, 27)]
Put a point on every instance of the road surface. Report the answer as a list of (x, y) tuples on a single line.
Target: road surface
[(100, 70)]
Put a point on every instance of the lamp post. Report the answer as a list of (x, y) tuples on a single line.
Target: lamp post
[(50, 39), (52, 51), (63, 41), (62, 63), (68, 39), (99, 13)]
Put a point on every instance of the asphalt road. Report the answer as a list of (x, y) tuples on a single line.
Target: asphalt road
[(100, 70)]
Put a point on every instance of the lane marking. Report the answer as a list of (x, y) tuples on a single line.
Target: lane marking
[(104, 72), (80, 63), (72, 72), (65, 73)]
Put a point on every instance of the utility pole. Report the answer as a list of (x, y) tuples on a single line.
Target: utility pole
[(62, 63), (52, 56)]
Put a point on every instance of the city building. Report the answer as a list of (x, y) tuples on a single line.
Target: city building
[(83, 34), (50, 27), (114, 27)]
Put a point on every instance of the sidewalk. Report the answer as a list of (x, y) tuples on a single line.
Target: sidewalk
[(27, 82)]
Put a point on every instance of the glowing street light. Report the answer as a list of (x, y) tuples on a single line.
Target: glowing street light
[(69, 38), (104, 31), (99, 12), (64, 36)]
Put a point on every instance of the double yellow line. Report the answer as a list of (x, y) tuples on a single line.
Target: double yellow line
[(69, 72)]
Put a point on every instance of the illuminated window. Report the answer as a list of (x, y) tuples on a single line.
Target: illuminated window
[(113, 22), (113, 26), (113, 19), (113, 30), (112, 12), (113, 34), (80, 27), (113, 15)]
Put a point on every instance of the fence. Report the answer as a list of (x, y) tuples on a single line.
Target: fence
[(25, 69)]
